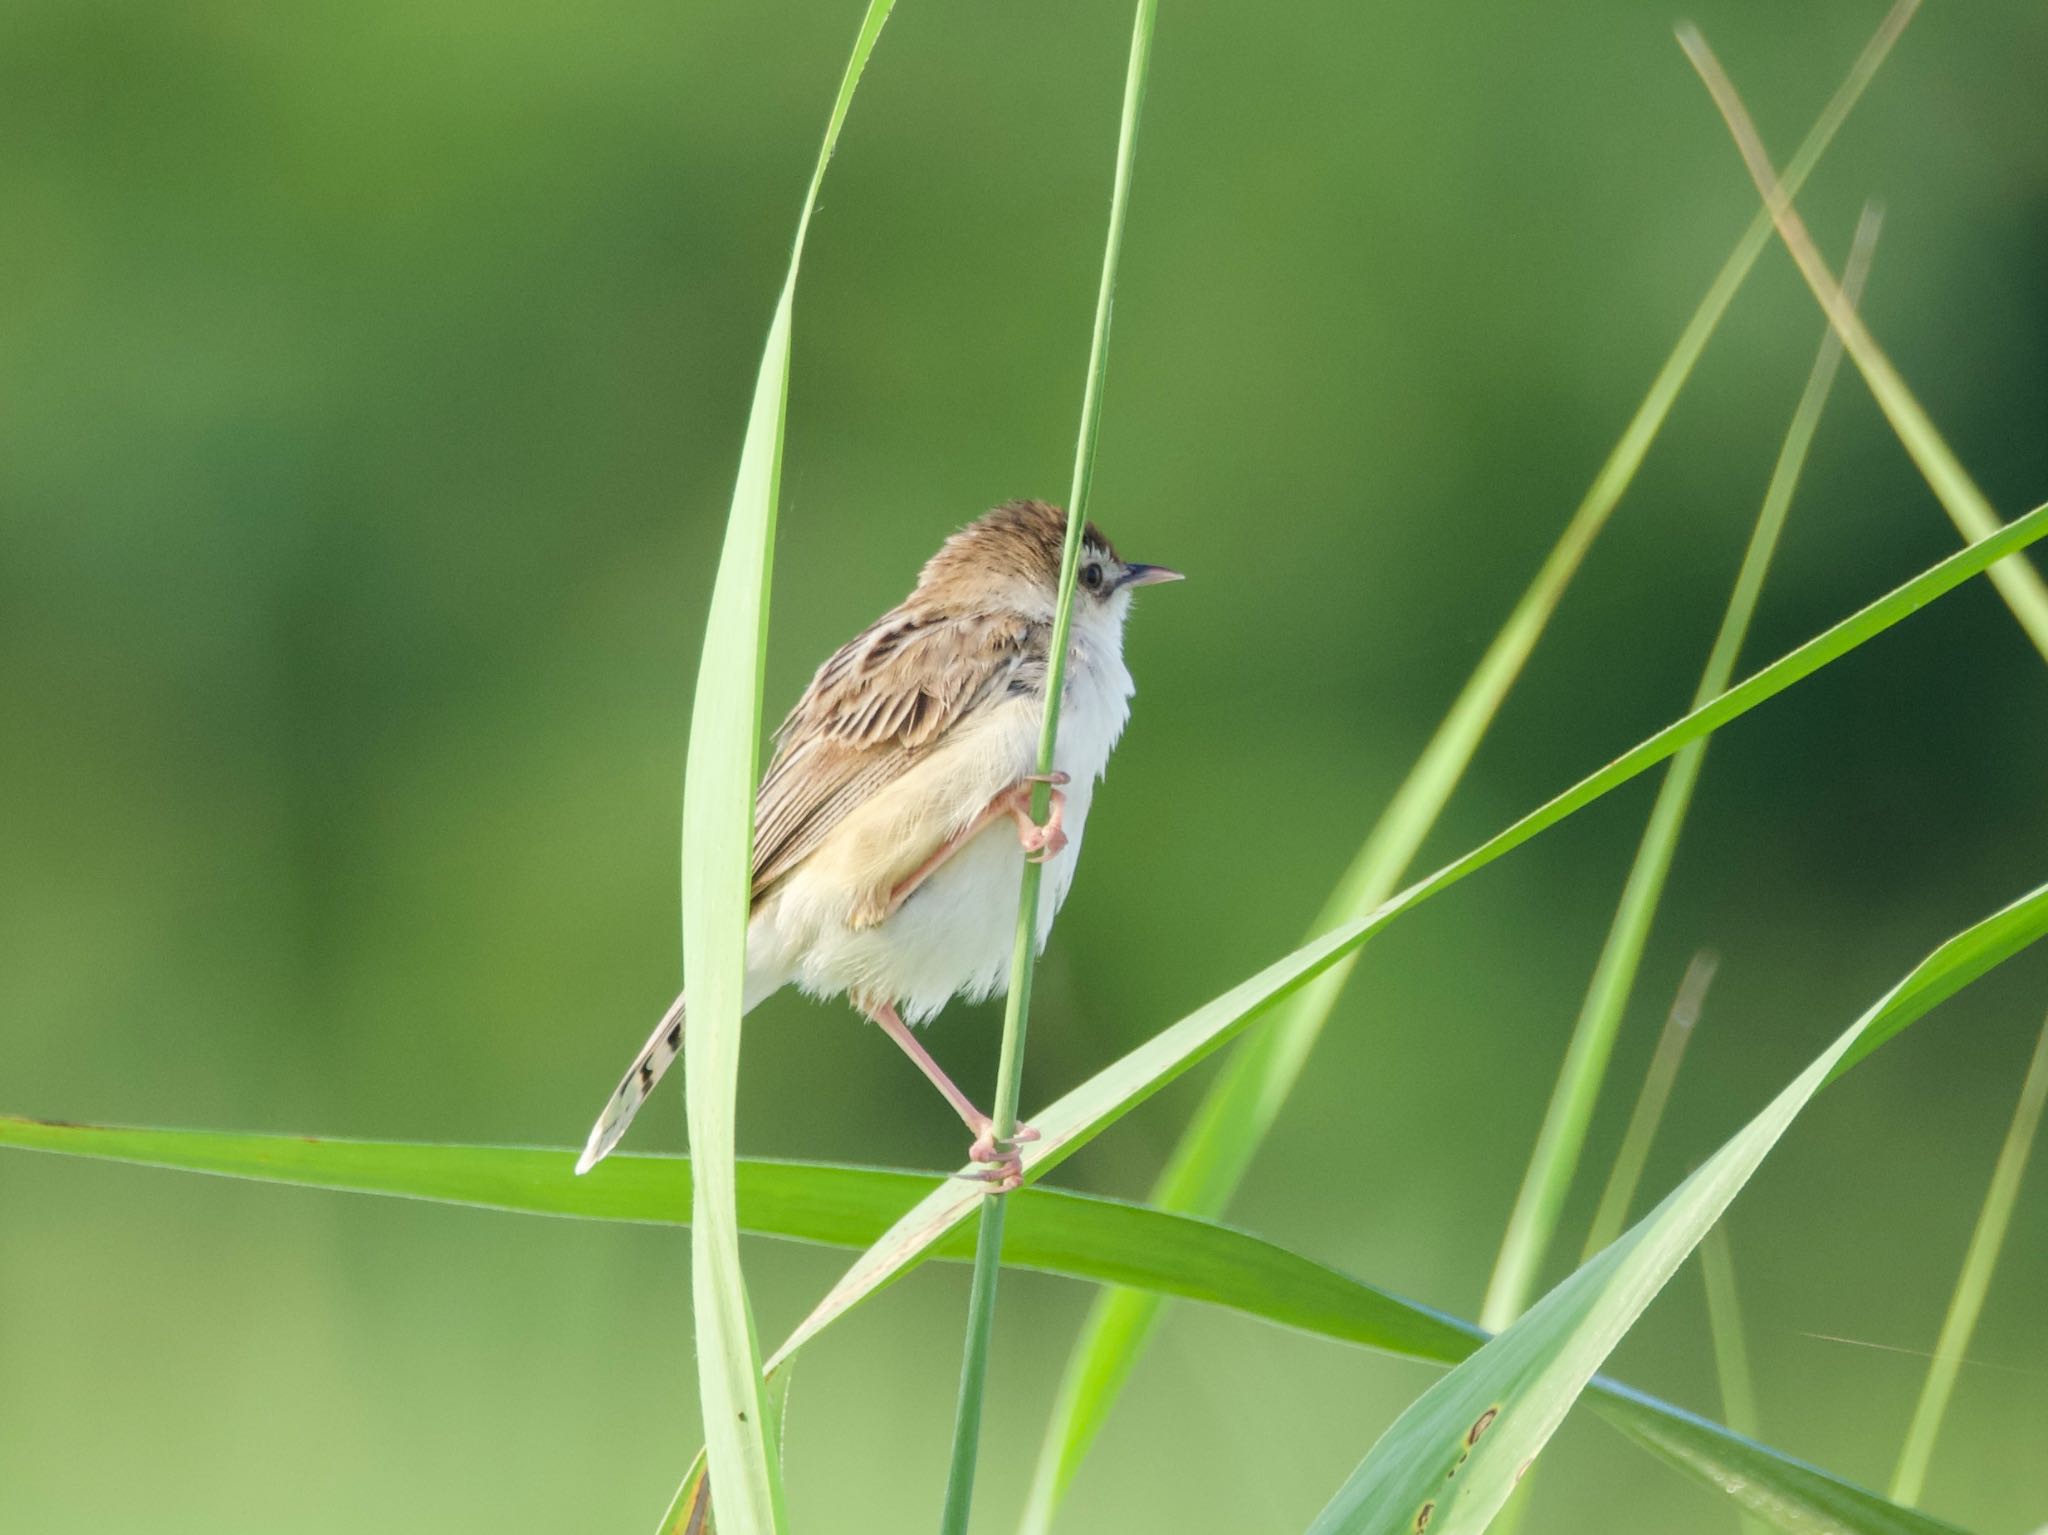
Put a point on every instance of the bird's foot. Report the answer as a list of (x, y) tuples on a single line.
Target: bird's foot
[(1003, 1164), (1040, 843)]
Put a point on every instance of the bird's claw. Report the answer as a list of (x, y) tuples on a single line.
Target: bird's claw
[(1003, 1164), (1041, 843)]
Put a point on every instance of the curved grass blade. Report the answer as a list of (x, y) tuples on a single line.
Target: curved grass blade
[(981, 1300), (1089, 1109), (1964, 1306), (1240, 1106), (1451, 1460), (1077, 1236), (2019, 583), (1532, 1224), (718, 820)]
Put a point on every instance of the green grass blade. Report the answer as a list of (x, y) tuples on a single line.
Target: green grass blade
[(690, 1511), (2019, 583), (718, 817), (1986, 1242), (1084, 1113), (1450, 1461), (1785, 1493), (1547, 1180), (1643, 1122), (981, 1302), (1079, 1236), (1236, 1112)]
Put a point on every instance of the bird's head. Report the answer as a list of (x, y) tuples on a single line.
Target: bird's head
[(1009, 559)]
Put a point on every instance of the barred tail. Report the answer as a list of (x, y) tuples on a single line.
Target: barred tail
[(660, 1051)]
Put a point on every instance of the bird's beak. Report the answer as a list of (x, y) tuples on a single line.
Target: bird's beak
[(1148, 575)]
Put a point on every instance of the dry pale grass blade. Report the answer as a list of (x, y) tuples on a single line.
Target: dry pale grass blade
[(2018, 582)]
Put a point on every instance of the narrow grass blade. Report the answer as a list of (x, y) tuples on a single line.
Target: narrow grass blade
[(1079, 1236), (1450, 1461), (1643, 1122), (1964, 1306), (718, 818), (1239, 1108), (1724, 1321), (1533, 1223), (1089, 1109), (981, 1301), (2019, 583)]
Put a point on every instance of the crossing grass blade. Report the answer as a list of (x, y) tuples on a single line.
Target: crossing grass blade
[(1451, 1460), (1074, 1120), (718, 819), (1239, 1108), (1078, 1236), (2019, 583), (1967, 1303), (1562, 1137)]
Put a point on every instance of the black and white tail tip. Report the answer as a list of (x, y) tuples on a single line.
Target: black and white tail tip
[(661, 1049)]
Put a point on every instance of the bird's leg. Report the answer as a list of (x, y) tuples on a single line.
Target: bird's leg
[(1015, 802), (1048, 841), (1005, 1167)]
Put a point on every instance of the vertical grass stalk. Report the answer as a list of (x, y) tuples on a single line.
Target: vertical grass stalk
[(718, 821), (981, 1304), (1627, 1173), (1731, 1342), (1533, 1223), (1974, 1280), (1239, 1108)]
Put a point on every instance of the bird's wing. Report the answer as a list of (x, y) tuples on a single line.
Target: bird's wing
[(882, 702)]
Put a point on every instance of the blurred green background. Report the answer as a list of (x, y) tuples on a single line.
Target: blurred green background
[(371, 383)]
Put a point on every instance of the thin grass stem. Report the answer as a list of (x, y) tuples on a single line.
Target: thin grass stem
[(1979, 1261), (1730, 1340), (1611, 1215), (1562, 1138), (981, 1301)]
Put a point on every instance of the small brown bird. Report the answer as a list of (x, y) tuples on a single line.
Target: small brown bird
[(882, 865)]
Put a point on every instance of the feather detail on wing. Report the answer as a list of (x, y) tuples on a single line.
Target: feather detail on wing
[(873, 710)]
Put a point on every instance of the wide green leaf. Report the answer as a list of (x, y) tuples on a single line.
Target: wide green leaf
[(1079, 1236), (718, 820), (1451, 1460), (1239, 1108), (1074, 1120)]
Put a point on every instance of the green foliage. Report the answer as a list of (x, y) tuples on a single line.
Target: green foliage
[(1451, 1460), (1104, 1241)]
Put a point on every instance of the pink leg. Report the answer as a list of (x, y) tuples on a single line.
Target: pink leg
[(1006, 1168), (1046, 841)]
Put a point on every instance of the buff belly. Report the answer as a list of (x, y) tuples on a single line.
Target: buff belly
[(955, 933)]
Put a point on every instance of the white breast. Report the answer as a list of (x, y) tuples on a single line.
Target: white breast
[(955, 933)]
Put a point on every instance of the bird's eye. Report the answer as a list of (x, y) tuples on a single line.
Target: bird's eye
[(1091, 576)]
